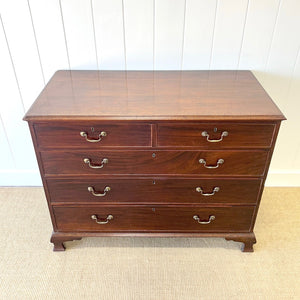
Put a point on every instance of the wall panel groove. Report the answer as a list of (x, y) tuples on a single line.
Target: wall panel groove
[(243, 34), (12, 64), (23, 49), (94, 34), (16, 148), (49, 33), (273, 33), (258, 33), (168, 34), (7, 158), (109, 34), (278, 76), (36, 43), (228, 34), (64, 31), (213, 35), (138, 23), (124, 35)]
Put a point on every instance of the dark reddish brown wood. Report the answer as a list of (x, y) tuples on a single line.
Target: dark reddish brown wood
[(244, 163), (240, 135), (46, 189), (154, 218), (154, 95), (249, 240), (153, 135), (154, 122), (154, 190), (268, 162), (239, 237), (67, 135), (58, 241)]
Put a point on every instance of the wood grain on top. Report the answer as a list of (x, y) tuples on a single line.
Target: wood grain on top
[(154, 95)]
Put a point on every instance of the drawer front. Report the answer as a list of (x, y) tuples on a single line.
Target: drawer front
[(69, 135), (223, 135), (230, 163), (129, 218), (154, 190)]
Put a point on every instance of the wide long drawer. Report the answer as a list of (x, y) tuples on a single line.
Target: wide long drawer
[(142, 218), (92, 135), (210, 135), (210, 163), (154, 190)]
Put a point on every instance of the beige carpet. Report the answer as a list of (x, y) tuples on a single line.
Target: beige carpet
[(148, 268)]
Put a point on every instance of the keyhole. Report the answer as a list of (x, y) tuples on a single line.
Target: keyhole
[(92, 129), (153, 155), (153, 182), (215, 129), (153, 209)]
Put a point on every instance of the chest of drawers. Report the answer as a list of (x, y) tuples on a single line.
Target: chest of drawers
[(162, 153)]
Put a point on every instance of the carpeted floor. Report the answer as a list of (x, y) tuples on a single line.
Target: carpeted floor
[(148, 268)]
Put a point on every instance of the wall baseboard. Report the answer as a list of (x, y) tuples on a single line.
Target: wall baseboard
[(20, 178), (33, 178), (283, 178)]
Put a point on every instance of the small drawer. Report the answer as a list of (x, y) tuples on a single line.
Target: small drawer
[(146, 162), (92, 135), (210, 135), (154, 190), (152, 218)]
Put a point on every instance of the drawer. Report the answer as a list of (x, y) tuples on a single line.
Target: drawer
[(146, 162), (141, 218), (154, 190), (68, 135), (224, 135)]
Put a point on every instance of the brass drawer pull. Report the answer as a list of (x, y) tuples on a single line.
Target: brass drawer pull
[(205, 134), (109, 217), (103, 162), (219, 162), (92, 190), (199, 190), (197, 218), (85, 135)]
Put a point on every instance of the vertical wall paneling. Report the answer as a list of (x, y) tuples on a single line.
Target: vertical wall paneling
[(6, 159), (261, 20), (283, 52), (108, 20), (47, 21), (199, 28), (12, 111), (169, 26), (138, 21), (38, 37), (258, 37), (78, 24), (279, 73), (228, 34), (293, 124), (23, 48)]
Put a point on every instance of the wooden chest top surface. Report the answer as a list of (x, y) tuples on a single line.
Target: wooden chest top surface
[(154, 95)]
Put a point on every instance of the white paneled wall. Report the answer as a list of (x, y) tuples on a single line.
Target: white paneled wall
[(38, 37)]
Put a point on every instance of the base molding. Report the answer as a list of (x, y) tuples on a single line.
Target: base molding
[(58, 238), (249, 240)]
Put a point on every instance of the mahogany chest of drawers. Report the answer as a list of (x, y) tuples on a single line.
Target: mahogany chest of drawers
[(162, 153)]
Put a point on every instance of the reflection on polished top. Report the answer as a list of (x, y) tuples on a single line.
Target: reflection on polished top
[(154, 95)]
